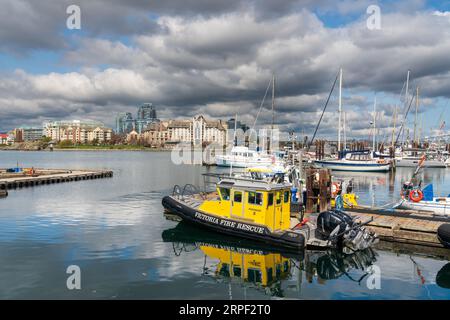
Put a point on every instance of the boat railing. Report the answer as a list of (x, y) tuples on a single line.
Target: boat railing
[(188, 190)]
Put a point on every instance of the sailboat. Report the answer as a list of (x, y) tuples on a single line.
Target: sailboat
[(357, 161), (243, 157)]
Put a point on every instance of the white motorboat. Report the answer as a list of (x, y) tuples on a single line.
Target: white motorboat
[(243, 157), (414, 161), (412, 157), (357, 161), (424, 200)]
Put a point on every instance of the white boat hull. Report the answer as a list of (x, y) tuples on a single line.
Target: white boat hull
[(354, 167), (223, 162), (432, 206), (415, 162)]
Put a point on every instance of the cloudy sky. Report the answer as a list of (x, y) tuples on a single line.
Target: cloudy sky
[(217, 58)]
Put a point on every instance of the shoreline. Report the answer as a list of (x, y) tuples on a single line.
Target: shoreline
[(88, 149)]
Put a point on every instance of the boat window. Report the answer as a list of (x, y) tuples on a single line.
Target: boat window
[(225, 193), (255, 198), (278, 197), (254, 275), (286, 266), (238, 196), (269, 275), (236, 271), (270, 202), (286, 196), (259, 198), (225, 270), (278, 271)]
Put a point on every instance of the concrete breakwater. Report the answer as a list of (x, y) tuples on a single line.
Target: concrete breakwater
[(48, 176)]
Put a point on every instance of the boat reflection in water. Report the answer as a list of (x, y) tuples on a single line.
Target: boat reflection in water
[(263, 267), (443, 277)]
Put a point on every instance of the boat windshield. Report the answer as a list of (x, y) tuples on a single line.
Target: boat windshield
[(224, 193)]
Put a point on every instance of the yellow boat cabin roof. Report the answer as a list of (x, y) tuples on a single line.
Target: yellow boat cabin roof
[(251, 184)]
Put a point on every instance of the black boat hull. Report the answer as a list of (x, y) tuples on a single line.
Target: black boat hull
[(237, 228)]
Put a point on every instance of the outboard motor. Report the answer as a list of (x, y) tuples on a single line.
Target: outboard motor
[(343, 231)]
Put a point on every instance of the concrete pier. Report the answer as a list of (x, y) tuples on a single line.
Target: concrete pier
[(48, 176)]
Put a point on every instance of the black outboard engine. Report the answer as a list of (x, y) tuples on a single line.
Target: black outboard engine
[(343, 231)]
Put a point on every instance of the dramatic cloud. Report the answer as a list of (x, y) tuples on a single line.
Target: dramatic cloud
[(217, 58)]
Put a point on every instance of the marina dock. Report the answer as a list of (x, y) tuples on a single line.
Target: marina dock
[(48, 176), (402, 226)]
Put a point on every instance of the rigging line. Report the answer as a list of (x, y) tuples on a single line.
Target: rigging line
[(323, 112), (404, 119), (262, 103)]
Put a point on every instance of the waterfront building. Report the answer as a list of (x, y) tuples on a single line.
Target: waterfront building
[(156, 134), (133, 137), (124, 122), (145, 116), (4, 138), (198, 131), (77, 131), (238, 125), (26, 134)]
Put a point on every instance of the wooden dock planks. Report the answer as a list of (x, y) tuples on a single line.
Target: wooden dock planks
[(405, 229), (51, 178)]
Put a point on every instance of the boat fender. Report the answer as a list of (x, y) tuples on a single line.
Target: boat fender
[(416, 195), (443, 234), (335, 188)]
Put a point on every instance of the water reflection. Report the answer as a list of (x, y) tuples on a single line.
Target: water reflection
[(443, 277), (260, 267)]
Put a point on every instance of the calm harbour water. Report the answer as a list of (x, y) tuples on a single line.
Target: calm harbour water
[(114, 229)]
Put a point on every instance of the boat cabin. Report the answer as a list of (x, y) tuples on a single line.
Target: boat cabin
[(251, 201), (251, 266), (359, 156)]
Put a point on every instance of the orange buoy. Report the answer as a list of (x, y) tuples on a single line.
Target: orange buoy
[(416, 195)]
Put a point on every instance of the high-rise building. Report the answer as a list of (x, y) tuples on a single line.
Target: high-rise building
[(124, 122), (146, 115), (239, 125)]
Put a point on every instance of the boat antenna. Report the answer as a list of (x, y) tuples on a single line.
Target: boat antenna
[(323, 112), (234, 141)]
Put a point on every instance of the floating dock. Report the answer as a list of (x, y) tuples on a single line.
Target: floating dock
[(402, 226), (48, 176)]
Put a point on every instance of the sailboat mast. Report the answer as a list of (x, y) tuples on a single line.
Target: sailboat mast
[(234, 142), (273, 110), (407, 88), (345, 131), (374, 123), (393, 127), (340, 109), (415, 119)]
